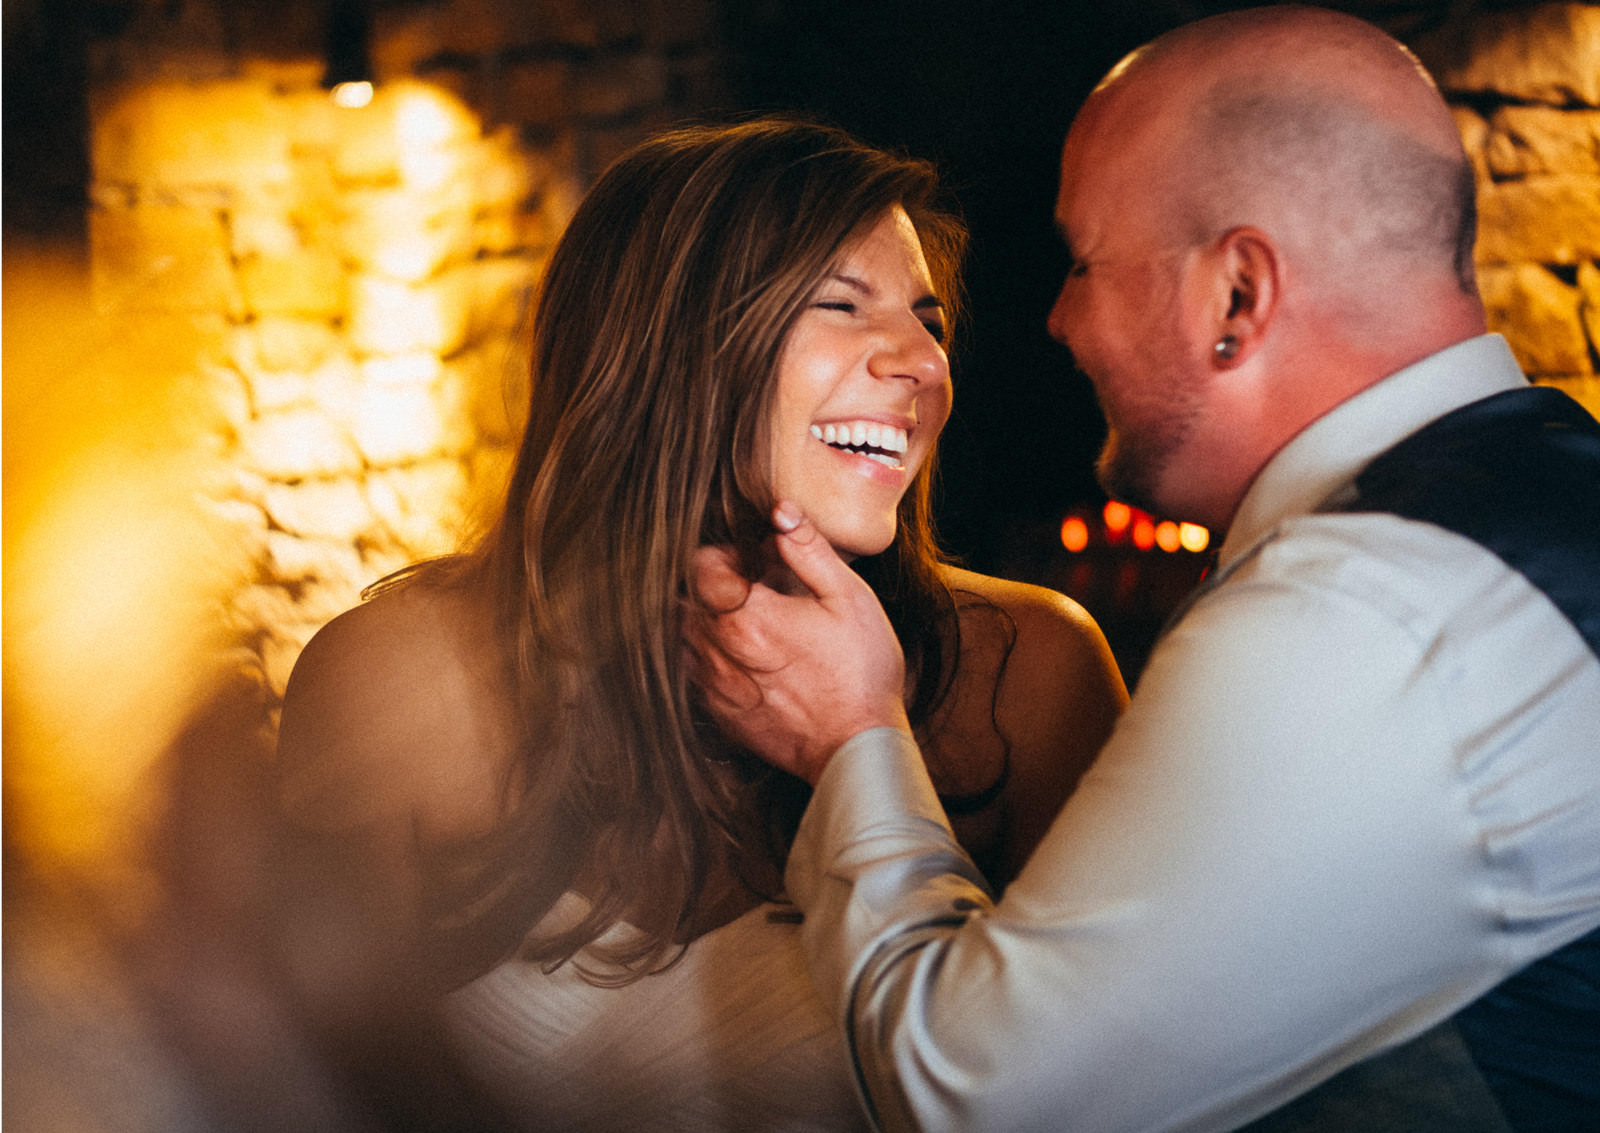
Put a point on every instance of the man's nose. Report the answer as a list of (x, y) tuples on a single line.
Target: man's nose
[(1056, 321)]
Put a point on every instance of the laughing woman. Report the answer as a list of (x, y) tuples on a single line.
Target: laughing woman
[(530, 811)]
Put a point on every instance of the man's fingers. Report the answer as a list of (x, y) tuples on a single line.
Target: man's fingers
[(717, 580), (811, 557), (726, 687)]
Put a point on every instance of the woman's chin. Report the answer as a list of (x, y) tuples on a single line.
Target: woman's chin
[(853, 542)]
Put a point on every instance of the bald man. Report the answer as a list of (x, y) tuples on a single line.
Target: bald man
[(1344, 846)]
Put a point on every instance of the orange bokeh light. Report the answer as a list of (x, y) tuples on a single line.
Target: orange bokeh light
[(1074, 533), (1193, 537)]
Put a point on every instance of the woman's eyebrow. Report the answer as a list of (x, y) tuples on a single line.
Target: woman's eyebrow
[(851, 281)]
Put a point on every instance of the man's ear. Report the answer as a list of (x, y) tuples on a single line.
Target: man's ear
[(1247, 285)]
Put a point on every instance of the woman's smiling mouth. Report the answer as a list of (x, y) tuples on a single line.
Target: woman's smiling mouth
[(882, 443)]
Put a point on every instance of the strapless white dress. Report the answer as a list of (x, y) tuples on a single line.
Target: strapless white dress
[(732, 1037)]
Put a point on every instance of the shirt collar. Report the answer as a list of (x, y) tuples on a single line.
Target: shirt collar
[(1326, 456)]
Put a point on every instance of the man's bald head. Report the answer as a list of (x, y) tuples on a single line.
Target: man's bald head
[(1311, 124)]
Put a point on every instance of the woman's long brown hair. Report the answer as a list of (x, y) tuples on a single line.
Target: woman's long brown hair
[(656, 340)]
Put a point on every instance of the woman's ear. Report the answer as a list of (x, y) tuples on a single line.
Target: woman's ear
[(1247, 284)]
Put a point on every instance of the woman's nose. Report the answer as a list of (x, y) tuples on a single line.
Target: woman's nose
[(909, 350)]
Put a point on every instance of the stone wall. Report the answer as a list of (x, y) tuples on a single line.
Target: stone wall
[(357, 277), (1525, 87)]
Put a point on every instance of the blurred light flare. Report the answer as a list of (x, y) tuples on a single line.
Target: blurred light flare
[(1119, 522), (112, 570), (1074, 533), (353, 95)]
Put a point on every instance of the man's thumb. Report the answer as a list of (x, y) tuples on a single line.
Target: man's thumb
[(811, 557)]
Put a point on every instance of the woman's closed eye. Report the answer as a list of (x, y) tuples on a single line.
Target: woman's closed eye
[(934, 324)]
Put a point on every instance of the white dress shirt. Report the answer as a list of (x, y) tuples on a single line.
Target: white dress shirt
[(1358, 786)]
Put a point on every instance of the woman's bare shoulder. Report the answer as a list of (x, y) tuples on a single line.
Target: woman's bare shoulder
[(1049, 626), (1056, 692), (398, 710)]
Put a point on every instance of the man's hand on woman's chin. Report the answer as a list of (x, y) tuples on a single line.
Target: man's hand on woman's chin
[(793, 677)]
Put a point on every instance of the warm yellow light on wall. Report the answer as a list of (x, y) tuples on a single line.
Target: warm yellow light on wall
[(430, 129)]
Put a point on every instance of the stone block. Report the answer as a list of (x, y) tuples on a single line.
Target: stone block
[(1532, 140), (229, 132), (406, 234), (299, 443), (419, 369), (585, 25), (390, 317), (508, 175), (500, 294), (398, 425), (261, 223), (500, 231), (285, 342), (681, 23), (422, 504), (263, 605), (161, 257), (614, 87), (482, 27), (228, 395), (332, 509), (274, 391), (534, 93), (292, 559), (1538, 314), (242, 524), (309, 282), (1546, 53), (1550, 220)]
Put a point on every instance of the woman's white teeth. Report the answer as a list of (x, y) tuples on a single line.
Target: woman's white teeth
[(863, 435)]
